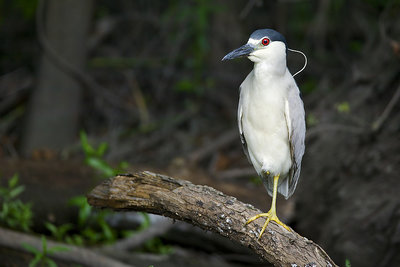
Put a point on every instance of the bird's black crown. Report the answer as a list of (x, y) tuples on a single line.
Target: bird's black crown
[(271, 34)]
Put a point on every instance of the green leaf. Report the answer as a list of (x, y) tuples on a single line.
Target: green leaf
[(63, 229), (343, 107), (51, 227), (4, 210), (79, 201), (76, 240), (12, 223), (101, 150), (347, 263), (30, 248), (60, 231), (145, 223), (44, 245), (155, 245), (50, 262), (87, 148), (84, 209), (16, 191), (127, 233), (108, 233), (35, 261), (92, 235), (13, 181), (100, 165)]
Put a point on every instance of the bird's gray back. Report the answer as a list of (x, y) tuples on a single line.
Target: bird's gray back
[(297, 135), (240, 115)]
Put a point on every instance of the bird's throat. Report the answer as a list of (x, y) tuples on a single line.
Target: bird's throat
[(269, 68)]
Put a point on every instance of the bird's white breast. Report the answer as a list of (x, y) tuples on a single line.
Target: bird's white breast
[(264, 123)]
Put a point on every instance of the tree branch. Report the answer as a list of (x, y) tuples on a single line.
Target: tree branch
[(209, 209), (80, 255), (376, 126)]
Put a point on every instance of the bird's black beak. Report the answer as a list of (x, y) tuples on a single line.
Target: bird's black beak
[(242, 51)]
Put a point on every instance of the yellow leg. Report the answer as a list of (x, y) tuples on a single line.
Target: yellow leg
[(271, 214)]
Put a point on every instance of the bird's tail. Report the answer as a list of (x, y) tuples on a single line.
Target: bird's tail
[(283, 186)]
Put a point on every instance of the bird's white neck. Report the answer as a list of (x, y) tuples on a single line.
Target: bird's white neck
[(271, 67)]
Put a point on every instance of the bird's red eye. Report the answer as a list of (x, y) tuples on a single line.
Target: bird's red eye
[(265, 41)]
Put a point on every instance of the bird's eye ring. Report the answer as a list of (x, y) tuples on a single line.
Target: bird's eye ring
[(265, 41)]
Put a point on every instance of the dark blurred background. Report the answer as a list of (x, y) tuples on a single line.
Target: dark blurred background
[(90, 88)]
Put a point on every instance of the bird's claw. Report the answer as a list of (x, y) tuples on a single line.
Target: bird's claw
[(271, 216)]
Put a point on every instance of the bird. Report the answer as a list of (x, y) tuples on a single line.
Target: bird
[(271, 117)]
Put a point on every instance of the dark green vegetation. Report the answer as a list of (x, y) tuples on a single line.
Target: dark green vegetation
[(150, 90), (42, 256), (91, 227), (14, 213)]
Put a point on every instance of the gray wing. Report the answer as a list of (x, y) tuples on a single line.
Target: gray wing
[(296, 135), (239, 118)]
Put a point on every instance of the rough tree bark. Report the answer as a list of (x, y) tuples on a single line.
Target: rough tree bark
[(209, 209)]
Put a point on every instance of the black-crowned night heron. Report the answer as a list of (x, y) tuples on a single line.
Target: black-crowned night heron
[(271, 117)]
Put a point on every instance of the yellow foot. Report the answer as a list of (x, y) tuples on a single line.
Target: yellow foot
[(271, 216)]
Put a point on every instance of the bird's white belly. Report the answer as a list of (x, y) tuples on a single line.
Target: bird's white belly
[(266, 132)]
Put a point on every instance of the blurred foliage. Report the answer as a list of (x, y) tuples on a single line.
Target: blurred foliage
[(91, 228), (311, 120), (337, 6), (343, 107), (42, 256), (195, 15), (301, 18), (59, 232), (145, 223), (17, 30), (94, 157), (157, 246), (380, 4), (92, 225), (14, 213), (308, 86), (356, 46), (26, 8), (256, 180), (121, 63)]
